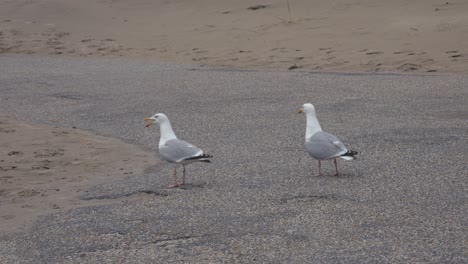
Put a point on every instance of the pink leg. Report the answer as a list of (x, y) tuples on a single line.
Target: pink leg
[(175, 180), (183, 175), (320, 168), (336, 167)]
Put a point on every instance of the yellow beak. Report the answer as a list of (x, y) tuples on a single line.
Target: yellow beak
[(150, 120), (301, 110)]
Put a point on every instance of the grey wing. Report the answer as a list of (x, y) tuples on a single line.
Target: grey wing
[(176, 150), (322, 146)]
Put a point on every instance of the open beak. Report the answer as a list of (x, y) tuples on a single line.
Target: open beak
[(150, 120), (301, 110)]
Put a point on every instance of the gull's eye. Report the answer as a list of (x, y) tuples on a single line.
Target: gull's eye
[(155, 116)]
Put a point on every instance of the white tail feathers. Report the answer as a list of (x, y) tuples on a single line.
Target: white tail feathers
[(348, 157)]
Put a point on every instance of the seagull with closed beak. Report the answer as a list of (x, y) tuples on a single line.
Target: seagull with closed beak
[(173, 150), (322, 145)]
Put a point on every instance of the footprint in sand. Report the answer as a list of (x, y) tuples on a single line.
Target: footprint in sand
[(293, 67), (200, 59), (40, 167), (374, 53), (454, 54), (49, 153), (60, 133), (62, 34), (7, 130), (256, 7), (54, 42), (28, 193), (407, 67), (15, 153), (7, 168)]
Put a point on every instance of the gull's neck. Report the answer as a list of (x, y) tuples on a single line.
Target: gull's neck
[(166, 132), (313, 125)]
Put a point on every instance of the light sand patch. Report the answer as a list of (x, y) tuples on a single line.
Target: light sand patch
[(44, 169)]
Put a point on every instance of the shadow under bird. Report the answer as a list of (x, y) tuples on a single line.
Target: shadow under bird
[(322, 145), (173, 150)]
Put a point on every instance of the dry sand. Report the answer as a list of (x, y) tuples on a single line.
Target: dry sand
[(336, 35), (44, 169)]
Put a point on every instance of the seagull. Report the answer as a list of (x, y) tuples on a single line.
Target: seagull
[(173, 150), (322, 145)]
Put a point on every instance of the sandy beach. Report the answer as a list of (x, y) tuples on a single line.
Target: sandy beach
[(357, 36), (69, 194)]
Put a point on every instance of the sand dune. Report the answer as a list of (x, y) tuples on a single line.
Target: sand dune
[(338, 35)]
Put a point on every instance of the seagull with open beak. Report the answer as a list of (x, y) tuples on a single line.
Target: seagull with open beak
[(173, 150)]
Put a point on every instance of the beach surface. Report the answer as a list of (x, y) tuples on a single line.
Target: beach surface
[(403, 200), (339, 35), (80, 179)]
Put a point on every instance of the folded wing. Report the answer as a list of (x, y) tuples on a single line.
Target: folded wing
[(176, 150), (322, 146)]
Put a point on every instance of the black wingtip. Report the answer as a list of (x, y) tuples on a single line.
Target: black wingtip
[(350, 153), (202, 158)]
